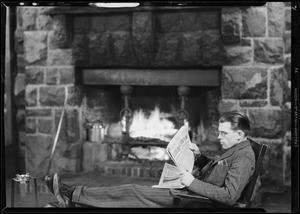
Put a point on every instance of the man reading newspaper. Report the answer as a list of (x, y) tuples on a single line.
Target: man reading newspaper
[(221, 179), (179, 150)]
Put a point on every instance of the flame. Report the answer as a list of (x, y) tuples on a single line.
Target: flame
[(156, 125)]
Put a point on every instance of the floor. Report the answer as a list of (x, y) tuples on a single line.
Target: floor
[(270, 202)]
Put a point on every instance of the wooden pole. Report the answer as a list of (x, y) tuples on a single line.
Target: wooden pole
[(57, 135)]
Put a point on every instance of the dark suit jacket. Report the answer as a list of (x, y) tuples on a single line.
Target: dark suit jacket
[(227, 175)]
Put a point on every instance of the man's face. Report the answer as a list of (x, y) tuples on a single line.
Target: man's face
[(228, 137)]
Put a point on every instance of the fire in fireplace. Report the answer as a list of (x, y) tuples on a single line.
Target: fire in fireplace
[(154, 125)]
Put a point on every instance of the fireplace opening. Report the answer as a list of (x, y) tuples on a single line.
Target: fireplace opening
[(154, 117)]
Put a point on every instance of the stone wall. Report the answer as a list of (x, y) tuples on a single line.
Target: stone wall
[(252, 44), (263, 92), (46, 74)]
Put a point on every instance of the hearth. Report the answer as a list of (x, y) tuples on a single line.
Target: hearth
[(150, 112)]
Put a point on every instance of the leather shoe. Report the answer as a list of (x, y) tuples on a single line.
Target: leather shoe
[(49, 183), (62, 192)]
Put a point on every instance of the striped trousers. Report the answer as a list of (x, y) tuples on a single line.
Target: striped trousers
[(128, 195)]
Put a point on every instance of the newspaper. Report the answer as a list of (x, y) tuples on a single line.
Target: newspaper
[(179, 151)]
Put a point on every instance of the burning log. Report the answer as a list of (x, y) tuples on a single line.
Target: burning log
[(138, 141)]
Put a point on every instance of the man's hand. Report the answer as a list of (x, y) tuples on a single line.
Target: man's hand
[(187, 178), (195, 149)]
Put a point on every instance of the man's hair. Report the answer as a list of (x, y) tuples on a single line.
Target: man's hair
[(238, 120)]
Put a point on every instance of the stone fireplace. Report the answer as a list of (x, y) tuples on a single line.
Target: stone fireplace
[(229, 57)]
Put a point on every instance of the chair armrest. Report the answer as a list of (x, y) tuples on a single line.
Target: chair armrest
[(183, 194)]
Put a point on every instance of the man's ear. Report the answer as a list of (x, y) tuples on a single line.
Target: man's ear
[(241, 134)]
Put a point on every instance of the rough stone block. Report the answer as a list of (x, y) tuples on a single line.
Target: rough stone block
[(190, 21), (21, 63), (66, 158), (123, 49), (268, 51), (100, 49), (81, 24), (38, 150), (44, 22), (31, 126), (251, 85), (60, 36), (103, 153), (287, 66), (228, 105), (246, 42), (52, 96), (191, 51), (35, 46), (19, 47), (238, 55), (278, 86), (98, 24), (45, 126), (38, 112), (207, 20), (267, 123), (231, 25), (91, 152), (142, 36), (118, 22), (75, 95), (167, 22), (287, 42), (254, 103), (80, 49), (276, 19), (51, 76), (21, 119), (19, 12), (31, 96), (71, 150), (51, 41), (19, 40), (65, 165), (288, 19), (20, 100), (254, 22), (212, 101), (19, 83), (60, 57), (66, 75), (167, 49), (34, 75), (272, 168), (29, 17), (213, 48)]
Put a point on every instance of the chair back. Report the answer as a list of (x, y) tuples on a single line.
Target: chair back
[(259, 150)]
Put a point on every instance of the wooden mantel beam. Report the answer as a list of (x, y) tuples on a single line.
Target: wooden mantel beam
[(152, 77)]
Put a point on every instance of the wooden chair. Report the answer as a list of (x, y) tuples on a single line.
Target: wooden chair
[(244, 201)]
